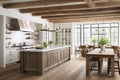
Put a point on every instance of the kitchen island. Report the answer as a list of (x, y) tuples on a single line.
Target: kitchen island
[(40, 60)]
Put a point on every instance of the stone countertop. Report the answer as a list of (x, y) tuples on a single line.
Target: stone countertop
[(44, 50)]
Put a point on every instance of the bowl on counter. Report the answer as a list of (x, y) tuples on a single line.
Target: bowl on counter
[(39, 46)]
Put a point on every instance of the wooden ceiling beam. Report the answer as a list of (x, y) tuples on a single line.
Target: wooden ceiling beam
[(86, 19), (4, 0), (104, 10), (87, 14), (38, 3), (65, 9), (90, 3), (54, 8), (78, 17), (107, 4)]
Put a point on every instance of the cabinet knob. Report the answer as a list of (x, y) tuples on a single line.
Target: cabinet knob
[(10, 59)]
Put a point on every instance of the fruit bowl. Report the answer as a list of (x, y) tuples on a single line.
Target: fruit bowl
[(39, 47)]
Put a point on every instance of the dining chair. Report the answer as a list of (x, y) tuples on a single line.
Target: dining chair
[(84, 50), (91, 47), (116, 60), (77, 50)]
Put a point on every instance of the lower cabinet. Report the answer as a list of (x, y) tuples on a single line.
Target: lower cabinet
[(12, 55), (39, 62), (55, 57)]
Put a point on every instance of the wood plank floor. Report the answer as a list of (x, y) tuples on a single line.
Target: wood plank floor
[(70, 70)]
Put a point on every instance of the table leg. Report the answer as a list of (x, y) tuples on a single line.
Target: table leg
[(112, 66), (87, 66)]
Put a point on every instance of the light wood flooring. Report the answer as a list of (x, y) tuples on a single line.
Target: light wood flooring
[(70, 70)]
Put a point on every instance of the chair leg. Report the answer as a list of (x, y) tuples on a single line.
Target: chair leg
[(99, 67), (108, 67), (118, 67)]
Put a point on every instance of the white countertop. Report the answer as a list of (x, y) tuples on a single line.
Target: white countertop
[(43, 50)]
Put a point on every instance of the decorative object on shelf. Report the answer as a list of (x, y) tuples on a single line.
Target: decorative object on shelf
[(28, 37), (8, 26), (8, 38), (48, 30), (102, 42), (8, 32), (28, 33)]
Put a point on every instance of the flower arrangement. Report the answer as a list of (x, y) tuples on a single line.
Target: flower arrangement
[(103, 41)]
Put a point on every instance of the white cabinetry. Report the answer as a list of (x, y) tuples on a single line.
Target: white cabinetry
[(63, 36), (12, 55)]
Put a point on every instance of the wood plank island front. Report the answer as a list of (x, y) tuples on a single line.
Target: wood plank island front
[(40, 60)]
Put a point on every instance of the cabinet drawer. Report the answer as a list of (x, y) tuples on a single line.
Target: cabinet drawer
[(11, 58)]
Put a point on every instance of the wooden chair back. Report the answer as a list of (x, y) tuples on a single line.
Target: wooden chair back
[(116, 50), (84, 50)]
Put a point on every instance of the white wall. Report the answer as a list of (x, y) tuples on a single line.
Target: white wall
[(16, 14), (2, 39)]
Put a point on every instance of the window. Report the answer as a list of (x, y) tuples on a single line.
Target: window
[(85, 33), (114, 37), (94, 31), (78, 34)]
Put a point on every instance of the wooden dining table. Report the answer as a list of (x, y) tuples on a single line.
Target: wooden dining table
[(108, 53)]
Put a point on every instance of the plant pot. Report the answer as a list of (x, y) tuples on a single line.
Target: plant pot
[(102, 47)]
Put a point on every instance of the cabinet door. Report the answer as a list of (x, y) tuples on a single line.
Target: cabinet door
[(31, 60), (45, 61), (12, 55), (50, 58), (63, 37)]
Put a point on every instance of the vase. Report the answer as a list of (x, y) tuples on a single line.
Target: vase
[(102, 47)]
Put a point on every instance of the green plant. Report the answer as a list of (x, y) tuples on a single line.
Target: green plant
[(103, 41), (50, 42), (45, 44), (94, 40)]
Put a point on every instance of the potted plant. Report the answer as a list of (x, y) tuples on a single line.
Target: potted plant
[(50, 42), (102, 42), (94, 40), (45, 44)]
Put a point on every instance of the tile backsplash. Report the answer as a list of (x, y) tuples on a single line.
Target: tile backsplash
[(17, 38)]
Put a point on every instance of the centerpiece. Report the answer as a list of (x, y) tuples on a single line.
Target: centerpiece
[(102, 42)]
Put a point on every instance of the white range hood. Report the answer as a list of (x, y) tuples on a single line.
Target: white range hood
[(26, 25)]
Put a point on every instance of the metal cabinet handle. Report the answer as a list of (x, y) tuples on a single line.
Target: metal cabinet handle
[(10, 59)]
